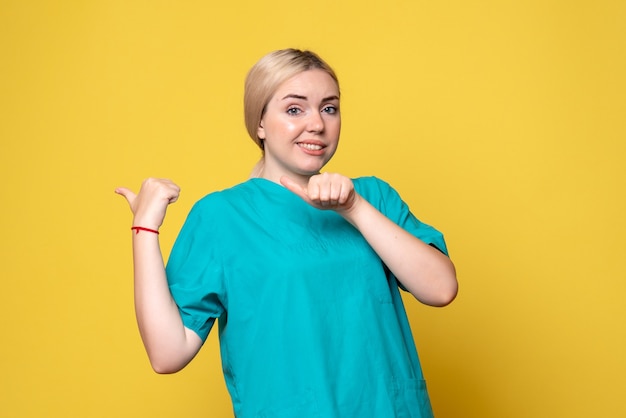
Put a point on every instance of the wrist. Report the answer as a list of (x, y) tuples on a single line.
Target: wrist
[(146, 222), (353, 213), (138, 229)]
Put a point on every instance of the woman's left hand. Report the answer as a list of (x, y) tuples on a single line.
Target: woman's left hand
[(326, 191)]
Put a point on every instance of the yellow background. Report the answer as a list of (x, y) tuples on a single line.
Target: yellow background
[(502, 123)]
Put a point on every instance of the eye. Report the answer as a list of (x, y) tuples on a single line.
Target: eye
[(294, 111), (331, 110)]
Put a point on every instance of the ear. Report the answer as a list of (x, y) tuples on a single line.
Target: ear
[(260, 131)]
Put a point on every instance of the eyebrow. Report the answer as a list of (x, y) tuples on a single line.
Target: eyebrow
[(300, 97)]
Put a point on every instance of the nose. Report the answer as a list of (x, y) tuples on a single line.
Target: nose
[(315, 122)]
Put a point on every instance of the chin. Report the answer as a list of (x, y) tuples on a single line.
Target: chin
[(311, 171)]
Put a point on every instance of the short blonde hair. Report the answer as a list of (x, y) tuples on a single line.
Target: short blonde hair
[(267, 75)]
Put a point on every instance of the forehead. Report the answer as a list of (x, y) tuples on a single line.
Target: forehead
[(309, 83)]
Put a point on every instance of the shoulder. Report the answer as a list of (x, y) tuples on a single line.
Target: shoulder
[(375, 190), (215, 212), (217, 200), (370, 183)]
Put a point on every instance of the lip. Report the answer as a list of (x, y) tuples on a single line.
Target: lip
[(312, 142), (302, 145)]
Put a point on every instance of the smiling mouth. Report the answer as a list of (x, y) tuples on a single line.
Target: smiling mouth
[(310, 147)]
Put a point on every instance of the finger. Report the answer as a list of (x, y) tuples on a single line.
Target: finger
[(128, 194), (315, 191), (174, 194), (346, 189), (335, 192), (319, 188), (294, 187), (325, 195), (161, 188), (343, 194)]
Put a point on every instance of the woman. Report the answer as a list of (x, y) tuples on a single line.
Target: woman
[(302, 269)]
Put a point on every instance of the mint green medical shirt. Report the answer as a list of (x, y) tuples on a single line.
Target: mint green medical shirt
[(311, 322)]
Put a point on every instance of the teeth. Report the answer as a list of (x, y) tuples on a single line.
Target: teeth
[(311, 147)]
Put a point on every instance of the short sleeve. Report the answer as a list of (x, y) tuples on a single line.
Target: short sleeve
[(194, 272), (387, 200)]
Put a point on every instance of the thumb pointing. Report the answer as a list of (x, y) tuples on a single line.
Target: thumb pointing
[(295, 188), (292, 185), (127, 193)]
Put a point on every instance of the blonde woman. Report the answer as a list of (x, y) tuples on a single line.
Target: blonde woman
[(302, 269)]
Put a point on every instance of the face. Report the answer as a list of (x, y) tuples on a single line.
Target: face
[(301, 126)]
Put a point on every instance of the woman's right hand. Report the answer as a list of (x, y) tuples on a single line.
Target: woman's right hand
[(150, 204)]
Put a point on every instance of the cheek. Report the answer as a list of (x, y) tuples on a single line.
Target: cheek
[(291, 125), (286, 127), (334, 126), (282, 126)]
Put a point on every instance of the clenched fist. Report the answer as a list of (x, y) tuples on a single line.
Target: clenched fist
[(326, 191), (150, 204)]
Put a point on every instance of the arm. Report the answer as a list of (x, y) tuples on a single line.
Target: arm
[(169, 344), (424, 271)]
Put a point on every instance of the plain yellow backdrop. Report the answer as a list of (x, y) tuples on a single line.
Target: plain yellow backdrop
[(500, 122)]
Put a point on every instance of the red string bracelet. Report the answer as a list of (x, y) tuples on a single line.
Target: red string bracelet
[(141, 228)]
